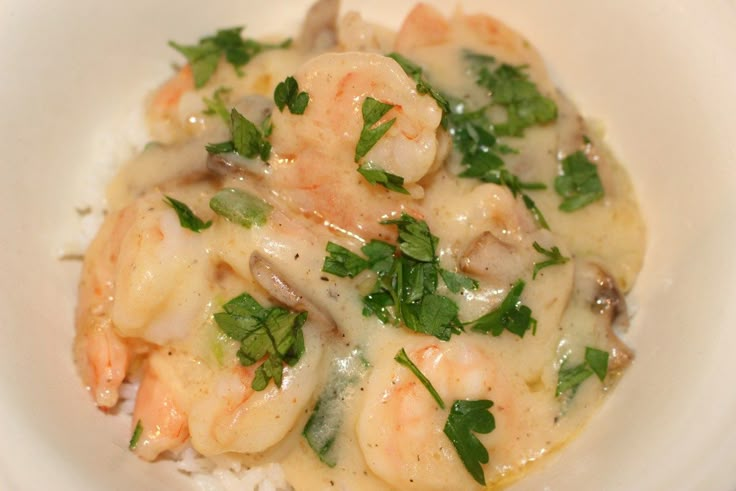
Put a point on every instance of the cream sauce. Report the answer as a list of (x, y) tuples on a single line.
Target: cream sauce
[(163, 283)]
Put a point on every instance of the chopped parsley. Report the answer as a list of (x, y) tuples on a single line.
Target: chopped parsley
[(187, 218), (403, 359), (204, 56), (511, 88), (554, 257), (423, 87), (570, 378), (466, 418), (343, 262), (216, 105), (240, 207), (287, 95), (273, 335), (376, 175), (457, 282), (372, 110), (473, 136), (578, 183), (407, 279), (137, 432), (248, 140), (512, 315)]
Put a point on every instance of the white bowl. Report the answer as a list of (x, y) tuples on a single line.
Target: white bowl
[(660, 74)]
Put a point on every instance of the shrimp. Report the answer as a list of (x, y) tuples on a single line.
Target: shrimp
[(101, 354), (315, 169), (130, 277), (426, 34), (152, 302), (425, 26), (162, 422), (231, 417), (400, 428)]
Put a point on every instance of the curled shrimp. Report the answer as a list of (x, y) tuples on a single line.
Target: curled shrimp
[(425, 26), (101, 354), (130, 278), (232, 417), (158, 415), (400, 429), (314, 168)]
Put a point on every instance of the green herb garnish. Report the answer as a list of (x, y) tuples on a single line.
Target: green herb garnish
[(273, 335), (240, 207), (578, 183), (511, 88), (554, 257), (216, 105), (570, 378), (403, 359), (457, 282), (512, 315), (247, 139), (187, 218), (407, 279), (376, 175), (204, 56), (343, 262), (473, 136), (137, 432), (423, 87), (287, 95), (466, 418), (373, 110)]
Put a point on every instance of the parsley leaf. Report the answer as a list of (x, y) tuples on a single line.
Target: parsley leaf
[(597, 360), (287, 95), (204, 56), (240, 207), (512, 315), (273, 335), (216, 105), (187, 218), (342, 262), (403, 359), (373, 110), (137, 431), (511, 88), (423, 87), (473, 136), (554, 258), (456, 282), (570, 378), (578, 183), (376, 175), (407, 279), (415, 239), (466, 418), (247, 139)]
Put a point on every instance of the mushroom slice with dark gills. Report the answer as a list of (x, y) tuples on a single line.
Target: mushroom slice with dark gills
[(595, 314), (274, 282)]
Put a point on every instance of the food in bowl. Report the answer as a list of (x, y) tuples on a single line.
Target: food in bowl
[(376, 259)]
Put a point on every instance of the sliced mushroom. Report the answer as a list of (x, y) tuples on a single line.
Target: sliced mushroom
[(280, 290), (604, 298), (489, 258), (319, 31), (257, 109)]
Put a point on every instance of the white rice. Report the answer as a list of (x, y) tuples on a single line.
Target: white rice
[(218, 473)]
